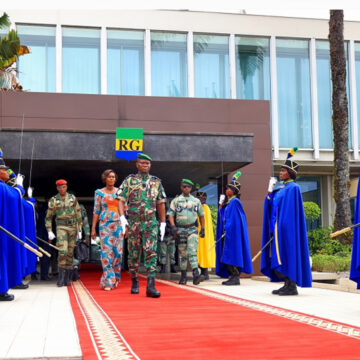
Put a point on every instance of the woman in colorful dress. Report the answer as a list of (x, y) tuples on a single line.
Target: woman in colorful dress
[(111, 234)]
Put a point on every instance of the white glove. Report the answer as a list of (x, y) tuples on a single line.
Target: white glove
[(79, 235), (124, 222), (30, 192), (51, 235), (272, 184), (222, 199), (162, 230), (20, 180)]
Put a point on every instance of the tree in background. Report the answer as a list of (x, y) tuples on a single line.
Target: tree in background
[(340, 123), (10, 50)]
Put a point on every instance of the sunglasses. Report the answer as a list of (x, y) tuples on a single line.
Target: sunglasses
[(186, 186)]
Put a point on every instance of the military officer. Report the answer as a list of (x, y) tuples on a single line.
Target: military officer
[(183, 213), (144, 195), (67, 212)]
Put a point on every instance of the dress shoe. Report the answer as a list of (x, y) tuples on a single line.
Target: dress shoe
[(135, 285), (150, 289), (20, 286), (6, 297)]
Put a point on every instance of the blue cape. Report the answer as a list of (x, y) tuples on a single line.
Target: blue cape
[(288, 253), (11, 271), (30, 232), (234, 248), (355, 257)]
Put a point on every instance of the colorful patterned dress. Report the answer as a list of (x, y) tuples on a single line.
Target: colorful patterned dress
[(111, 236)]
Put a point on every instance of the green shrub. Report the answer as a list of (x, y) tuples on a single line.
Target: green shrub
[(331, 263), (312, 210)]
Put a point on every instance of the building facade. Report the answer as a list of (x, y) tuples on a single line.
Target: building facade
[(183, 54)]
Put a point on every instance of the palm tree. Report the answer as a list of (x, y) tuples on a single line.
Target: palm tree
[(340, 122), (10, 50)]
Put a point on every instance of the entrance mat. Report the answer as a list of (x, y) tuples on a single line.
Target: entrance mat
[(188, 322)]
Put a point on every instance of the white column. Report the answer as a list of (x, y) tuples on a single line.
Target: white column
[(147, 60), (58, 58), (353, 101), (103, 60), (314, 99), (190, 61), (232, 66), (274, 98)]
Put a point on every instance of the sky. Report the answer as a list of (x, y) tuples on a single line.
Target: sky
[(293, 8)]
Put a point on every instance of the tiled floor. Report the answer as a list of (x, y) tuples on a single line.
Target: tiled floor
[(39, 323)]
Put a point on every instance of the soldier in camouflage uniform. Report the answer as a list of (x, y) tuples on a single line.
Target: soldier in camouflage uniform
[(167, 247), (144, 195), (66, 210), (183, 213)]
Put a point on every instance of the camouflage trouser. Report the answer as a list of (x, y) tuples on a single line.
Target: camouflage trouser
[(142, 236), (65, 241), (188, 244), (167, 247)]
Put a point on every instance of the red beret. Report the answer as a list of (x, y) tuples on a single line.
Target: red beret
[(61, 182)]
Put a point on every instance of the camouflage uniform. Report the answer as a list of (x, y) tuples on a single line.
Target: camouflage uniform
[(85, 222), (142, 192), (68, 221), (167, 247), (185, 210)]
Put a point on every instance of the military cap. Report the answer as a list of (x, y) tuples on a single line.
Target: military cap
[(187, 181), (2, 164), (61, 182), (201, 194), (142, 156), (291, 164)]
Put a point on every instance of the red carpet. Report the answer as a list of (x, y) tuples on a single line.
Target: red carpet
[(182, 324)]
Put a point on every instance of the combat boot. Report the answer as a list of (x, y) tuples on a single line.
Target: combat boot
[(234, 280), (67, 277), (75, 274), (196, 276), (183, 278), (61, 276), (150, 289), (135, 285), (204, 273), (172, 268), (290, 289), (286, 283)]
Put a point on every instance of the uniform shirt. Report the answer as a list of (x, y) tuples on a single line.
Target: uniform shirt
[(85, 220), (185, 209), (63, 208), (142, 192)]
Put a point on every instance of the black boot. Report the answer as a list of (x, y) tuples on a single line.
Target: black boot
[(150, 289), (6, 297), (205, 273), (172, 269), (196, 276), (61, 276), (135, 285), (67, 277), (183, 278), (75, 274), (234, 280), (290, 289), (286, 283), (162, 269)]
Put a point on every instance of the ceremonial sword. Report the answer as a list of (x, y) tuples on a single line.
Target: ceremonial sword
[(343, 231), (40, 248), (45, 242)]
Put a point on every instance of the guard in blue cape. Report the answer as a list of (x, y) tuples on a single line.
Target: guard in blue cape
[(285, 254), (355, 256), (232, 240)]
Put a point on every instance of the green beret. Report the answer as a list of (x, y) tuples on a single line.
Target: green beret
[(144, 157), (187, 181)]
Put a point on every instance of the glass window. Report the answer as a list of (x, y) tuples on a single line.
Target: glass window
[(168, 64), (37, 69), (357, 74), (310, 190), (125, 62), (211, 66), (81, 60), (324, 93), (252, 68), (293, 81)]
